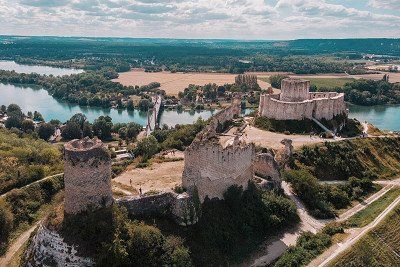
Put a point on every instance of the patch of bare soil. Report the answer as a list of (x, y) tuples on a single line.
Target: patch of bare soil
[(173, 83), (159, 177)]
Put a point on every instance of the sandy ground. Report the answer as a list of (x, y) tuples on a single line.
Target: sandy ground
[(273, 140), (159, 176), (173, 83)]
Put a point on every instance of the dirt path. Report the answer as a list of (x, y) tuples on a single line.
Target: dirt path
[(18, 243), (38, 181), (276, 247), (355, 235)]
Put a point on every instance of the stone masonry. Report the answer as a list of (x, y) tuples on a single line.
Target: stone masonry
[(87, 176), (295, 102), (211, 168)]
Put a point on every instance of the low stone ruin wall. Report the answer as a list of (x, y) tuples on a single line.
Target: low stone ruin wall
[(178, 206)]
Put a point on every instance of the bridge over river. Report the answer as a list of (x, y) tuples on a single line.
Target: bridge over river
[(152, 116)]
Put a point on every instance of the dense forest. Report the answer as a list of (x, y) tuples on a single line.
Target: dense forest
[(299, 56), (92, 88)]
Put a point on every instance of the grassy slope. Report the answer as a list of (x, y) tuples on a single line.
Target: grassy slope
[(357, 157), (377, 248), (368, 214)]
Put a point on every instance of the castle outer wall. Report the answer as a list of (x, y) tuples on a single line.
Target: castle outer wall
[(295, 102), (87, 176)]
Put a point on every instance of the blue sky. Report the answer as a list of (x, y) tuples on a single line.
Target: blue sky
[(234, 19)]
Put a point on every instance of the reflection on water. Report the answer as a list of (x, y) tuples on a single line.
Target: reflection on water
[(31, 98), (384, 117), (11, 65)]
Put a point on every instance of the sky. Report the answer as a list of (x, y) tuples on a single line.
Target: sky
[(203, 19)]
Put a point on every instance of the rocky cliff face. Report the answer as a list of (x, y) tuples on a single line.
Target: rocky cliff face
[(49, 249)]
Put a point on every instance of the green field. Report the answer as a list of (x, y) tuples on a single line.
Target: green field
[(368, 214), (329, 82), (323, 82), (379, 247)]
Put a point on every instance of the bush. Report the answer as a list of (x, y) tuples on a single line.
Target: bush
[(244, 217), (138, 244), (6, 225)]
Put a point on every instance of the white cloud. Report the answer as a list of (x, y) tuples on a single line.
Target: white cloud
[(244, 19), (386, 4)]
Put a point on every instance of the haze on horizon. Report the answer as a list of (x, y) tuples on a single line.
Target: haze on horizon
[(202, 19)]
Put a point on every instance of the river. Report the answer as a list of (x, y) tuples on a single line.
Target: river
[(31, 98), (21, 68)]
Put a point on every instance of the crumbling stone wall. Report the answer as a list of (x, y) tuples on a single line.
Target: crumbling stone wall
[(49, 249), (212, 169), (297, 103), (87, 176), (267, 167), (180, 207)]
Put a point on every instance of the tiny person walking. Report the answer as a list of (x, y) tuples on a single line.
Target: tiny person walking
[(140, 191)]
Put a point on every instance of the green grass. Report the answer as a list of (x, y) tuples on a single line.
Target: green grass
[(329, 82), (368, 214), (322, 82), (379, 247)]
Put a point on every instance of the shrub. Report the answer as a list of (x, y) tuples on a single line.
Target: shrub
[(6, 225)]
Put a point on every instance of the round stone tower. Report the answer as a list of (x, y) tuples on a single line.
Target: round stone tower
[(295, 90), (87, 176)]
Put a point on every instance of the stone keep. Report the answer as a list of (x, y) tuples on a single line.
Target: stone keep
[(87, 176), (295, 102)]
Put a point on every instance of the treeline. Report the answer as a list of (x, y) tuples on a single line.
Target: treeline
[(186, 55), (368, 92), (211, 93), (86, 89)]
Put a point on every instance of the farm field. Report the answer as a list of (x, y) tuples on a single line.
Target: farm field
[(173, 83), (368, 214), (379, 247)]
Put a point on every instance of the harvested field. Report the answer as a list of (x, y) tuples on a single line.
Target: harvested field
[(173, 83)]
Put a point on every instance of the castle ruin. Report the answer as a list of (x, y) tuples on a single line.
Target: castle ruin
[(211, 167), (87, 176), (295, 102)]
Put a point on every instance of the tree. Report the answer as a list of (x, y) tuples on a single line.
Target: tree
[(130, 105), (276, 80), (71, 131), (102, 127), (14, 121), (3, 109), (79, 119), (87, 130), (45, 131), (37, 116), (144, 104), (132, 130), (14, 109), (27, 126), (147, 147)]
